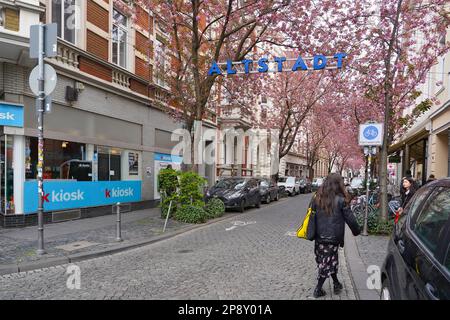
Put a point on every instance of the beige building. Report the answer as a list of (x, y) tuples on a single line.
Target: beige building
[(424, 149)]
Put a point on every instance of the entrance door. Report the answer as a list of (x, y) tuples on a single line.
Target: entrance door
[(6, 175)]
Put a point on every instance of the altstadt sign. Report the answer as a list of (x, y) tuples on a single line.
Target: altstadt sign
[(319, 62)]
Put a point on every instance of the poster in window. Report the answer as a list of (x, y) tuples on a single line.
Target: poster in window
[(133, 161)]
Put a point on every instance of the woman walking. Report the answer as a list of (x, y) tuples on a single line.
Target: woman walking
[(332, 212)]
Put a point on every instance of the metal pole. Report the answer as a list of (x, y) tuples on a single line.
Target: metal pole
[(119, 224), (167, 217), (40, 164), (365, 232)]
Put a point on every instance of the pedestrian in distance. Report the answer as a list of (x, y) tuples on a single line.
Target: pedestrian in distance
[(409, 187), (431, 178), (332, 212)]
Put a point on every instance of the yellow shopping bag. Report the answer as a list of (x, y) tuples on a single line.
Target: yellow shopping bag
[(302, 232)]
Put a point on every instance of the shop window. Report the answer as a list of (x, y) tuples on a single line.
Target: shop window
[(56, 154)]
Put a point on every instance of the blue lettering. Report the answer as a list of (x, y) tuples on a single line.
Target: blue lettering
[(263, 65), (339, 57), (322, 64), (280, 61), (214, 69), (299, 64), (230, 69), (246, 64)]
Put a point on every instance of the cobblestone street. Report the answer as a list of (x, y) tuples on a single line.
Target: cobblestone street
[(252, 256)]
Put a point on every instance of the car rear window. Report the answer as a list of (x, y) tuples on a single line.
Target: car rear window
[(430, 224)]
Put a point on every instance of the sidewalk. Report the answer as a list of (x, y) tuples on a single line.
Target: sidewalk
[(76, 240), (362, 252)]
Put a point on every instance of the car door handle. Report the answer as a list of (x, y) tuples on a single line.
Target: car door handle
[(401, 246), (431, 291)]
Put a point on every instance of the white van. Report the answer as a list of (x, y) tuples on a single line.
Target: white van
[(290, 184)]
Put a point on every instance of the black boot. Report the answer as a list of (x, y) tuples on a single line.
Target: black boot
[(318, 291), (337, 286)]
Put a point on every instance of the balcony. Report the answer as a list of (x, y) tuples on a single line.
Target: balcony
[(68, 58), (234, 116)]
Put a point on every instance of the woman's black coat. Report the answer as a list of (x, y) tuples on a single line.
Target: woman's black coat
[(331, 228)]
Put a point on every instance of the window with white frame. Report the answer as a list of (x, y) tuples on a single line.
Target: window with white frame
[(64, 13), (161, 63), (119, 39)]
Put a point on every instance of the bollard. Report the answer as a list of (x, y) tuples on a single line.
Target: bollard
[(119, 225)]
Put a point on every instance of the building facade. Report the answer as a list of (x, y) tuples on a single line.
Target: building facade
[(424, 149), (108, 133)]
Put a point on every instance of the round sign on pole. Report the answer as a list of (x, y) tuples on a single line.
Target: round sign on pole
[(49, 77)]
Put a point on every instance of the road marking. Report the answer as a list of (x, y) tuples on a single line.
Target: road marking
[(291, 233), (239, 224)]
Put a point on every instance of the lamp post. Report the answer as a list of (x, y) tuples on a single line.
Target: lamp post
[(369, 151)]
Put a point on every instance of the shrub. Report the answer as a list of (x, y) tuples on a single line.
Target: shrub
[(168, 185), (375, 225), (215, 208), (191, 214), (191, 189)]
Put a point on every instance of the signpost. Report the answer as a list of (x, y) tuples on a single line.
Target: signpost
[(43, 43), (370, 136)]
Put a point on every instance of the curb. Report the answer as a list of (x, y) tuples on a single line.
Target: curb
[(17, 268), (357, 269)]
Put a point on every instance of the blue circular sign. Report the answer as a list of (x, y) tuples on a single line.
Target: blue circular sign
[(370, 133)]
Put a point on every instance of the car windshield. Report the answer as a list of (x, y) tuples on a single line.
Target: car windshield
[(264, 183), (230, 184), (282, 179)]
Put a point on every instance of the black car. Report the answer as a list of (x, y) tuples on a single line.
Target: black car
[(417, 265), (268, 190), (305, 185), (236, 193)]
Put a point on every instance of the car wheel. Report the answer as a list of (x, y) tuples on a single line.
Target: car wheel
[(268, 199), (258, 204), (242, 206), (385, 290)]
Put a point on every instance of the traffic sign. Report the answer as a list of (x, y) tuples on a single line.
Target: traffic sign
[(50, 40), (49, 77), (371, 134)]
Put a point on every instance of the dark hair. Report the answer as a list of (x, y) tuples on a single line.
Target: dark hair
[(332, 186), (413, 186), (431, 176)]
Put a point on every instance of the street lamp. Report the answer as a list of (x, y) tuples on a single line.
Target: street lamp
[(368, 152)]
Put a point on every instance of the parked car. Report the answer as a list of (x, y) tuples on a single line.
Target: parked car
[(417, 264), (305, 185), (236, 193), (317, 183), (291, 186), (357, 186), (268, 190)]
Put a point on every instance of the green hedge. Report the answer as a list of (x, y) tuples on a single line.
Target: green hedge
[(215, 208), (191, 214)]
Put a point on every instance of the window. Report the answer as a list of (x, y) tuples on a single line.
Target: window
[(161, 63), (64, 14), (2, 18), (431, 221), (263, 99), (119, 39)]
